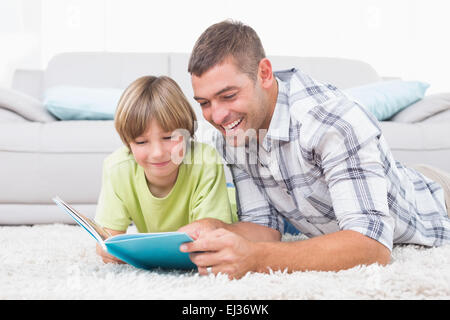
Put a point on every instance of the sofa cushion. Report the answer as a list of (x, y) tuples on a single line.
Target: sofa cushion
[(59, 137), (103, 69), (414, 143), (443, 116), (423, 109), (386, 98), (41, 160), (78, 103), (342, 73)]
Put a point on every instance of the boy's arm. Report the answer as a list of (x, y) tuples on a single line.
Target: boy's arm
[(106, 257)]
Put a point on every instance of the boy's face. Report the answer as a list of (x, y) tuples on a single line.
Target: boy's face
[(158, 152), (231, 101)]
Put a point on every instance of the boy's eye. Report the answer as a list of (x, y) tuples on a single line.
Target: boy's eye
[(167, 138), (139, 142)]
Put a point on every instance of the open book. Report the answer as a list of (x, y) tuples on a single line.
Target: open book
[(142, 250)]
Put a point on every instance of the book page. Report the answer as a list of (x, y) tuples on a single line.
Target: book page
[(90, 225)]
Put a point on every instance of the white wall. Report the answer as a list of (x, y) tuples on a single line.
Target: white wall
[(405, 38), (20, 37)]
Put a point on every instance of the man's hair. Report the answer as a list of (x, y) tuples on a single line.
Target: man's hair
[(148, 98), (227, 39)]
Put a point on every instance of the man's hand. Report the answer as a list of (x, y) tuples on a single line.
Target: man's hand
[(227, 252), (222, 251), (196, 228)]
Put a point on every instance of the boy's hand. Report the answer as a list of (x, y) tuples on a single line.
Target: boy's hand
[(106, 257), (195, 228)]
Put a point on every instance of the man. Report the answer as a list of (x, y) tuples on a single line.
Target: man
[(300, 150)]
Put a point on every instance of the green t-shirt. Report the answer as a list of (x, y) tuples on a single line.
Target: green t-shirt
[(200, 191)]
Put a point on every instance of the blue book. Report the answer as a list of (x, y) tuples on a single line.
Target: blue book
[(142, 250)]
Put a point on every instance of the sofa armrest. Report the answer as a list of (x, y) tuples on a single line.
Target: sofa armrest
[(9, 116), (24, 105), (29, 82)]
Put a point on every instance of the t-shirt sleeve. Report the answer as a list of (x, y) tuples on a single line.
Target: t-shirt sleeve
[(111, 212), (211, 198)]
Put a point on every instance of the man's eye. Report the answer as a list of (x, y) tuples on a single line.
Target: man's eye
[(202, 104), (230, 96)]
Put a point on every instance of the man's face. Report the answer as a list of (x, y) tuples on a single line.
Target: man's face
[(232, 102)]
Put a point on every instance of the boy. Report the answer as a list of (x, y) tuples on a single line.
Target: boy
[(161, 179)]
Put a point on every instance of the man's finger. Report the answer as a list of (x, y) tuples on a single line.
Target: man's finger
[(204, 271), (208, 241), (190, 230), (199, 245), (205, 259)]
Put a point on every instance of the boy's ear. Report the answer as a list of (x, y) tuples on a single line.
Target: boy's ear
[(265, 74)]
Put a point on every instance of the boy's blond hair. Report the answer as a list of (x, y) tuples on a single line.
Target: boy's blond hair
[(148, 98)]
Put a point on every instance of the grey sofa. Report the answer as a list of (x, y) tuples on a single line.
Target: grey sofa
[(41, 157)]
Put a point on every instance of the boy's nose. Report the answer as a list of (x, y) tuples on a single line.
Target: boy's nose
[(156, 152)]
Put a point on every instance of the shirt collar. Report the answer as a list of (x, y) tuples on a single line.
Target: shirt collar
[(279, 124)]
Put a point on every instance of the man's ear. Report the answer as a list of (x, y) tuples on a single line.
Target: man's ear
[(265, 74)]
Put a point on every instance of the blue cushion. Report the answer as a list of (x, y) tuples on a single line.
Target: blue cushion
[(386, 98), (78, 103)]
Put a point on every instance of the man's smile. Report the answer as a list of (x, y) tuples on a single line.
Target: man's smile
[(233, 125)]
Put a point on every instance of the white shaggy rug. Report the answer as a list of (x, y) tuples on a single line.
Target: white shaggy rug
[(59, 262)]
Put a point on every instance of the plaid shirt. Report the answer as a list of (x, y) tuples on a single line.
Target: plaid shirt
[(324, 165)]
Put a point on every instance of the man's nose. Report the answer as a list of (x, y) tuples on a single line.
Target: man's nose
[(219, 114)]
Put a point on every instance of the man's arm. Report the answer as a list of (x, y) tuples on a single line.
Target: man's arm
[(254, 232), (229, 253), (248, 230), (331, 252)]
